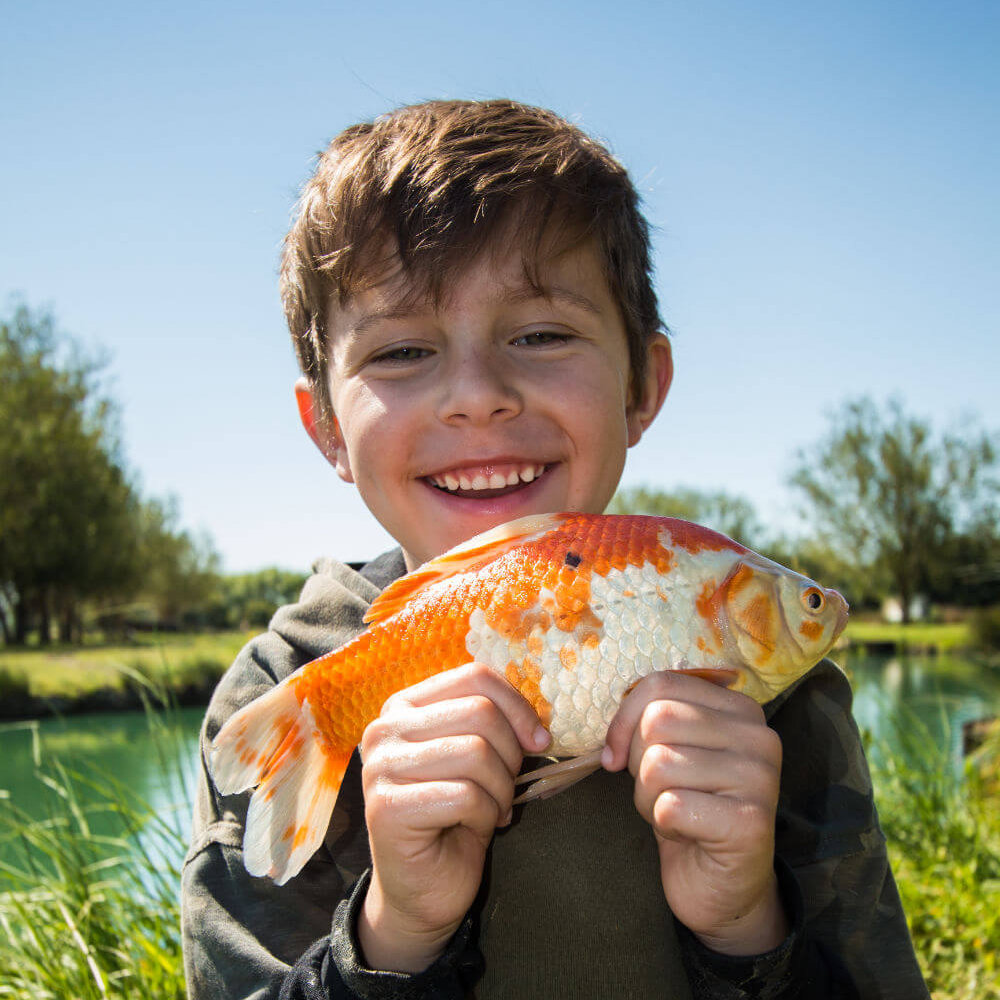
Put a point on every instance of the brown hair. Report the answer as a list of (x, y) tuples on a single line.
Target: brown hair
[(441, 182)]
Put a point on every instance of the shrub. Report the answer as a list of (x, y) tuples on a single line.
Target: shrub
[(984, 628)]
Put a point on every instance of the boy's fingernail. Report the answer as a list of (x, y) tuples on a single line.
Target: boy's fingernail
[(540, 737), (507, 817), (607, 757)]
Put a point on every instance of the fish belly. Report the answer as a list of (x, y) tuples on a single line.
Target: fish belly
[(575, 664)]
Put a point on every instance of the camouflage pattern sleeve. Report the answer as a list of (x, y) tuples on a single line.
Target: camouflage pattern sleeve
[(828, 834)]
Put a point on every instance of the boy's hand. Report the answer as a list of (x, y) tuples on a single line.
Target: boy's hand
[(706, 768), (438, 775)]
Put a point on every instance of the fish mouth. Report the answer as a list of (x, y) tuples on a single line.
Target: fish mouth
[(488, 480)]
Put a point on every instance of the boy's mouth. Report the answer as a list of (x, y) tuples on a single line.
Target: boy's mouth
[(487, 481)]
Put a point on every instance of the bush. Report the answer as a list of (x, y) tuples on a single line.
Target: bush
[(15, 692), (984, 628)]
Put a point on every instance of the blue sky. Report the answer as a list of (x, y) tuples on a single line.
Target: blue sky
[(822, 180)]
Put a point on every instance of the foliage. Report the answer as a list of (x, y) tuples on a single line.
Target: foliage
[(943, 831), (884, 490), (732, 515), (248, 600), (984, 625), (76, 539), (65, 502), (180, 571)]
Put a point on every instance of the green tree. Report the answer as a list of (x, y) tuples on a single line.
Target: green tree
[(732, 515), (65, 501), (250, 599), (180, 571), (75, 534), (889, 495)]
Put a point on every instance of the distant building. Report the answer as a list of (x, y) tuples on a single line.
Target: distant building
[(892, 609)]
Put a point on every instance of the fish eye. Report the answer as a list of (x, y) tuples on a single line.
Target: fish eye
[(813, 599)]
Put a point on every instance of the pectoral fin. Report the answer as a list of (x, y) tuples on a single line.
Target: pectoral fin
[(553, 778)]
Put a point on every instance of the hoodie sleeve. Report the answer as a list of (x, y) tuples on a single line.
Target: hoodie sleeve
[(245, 937)]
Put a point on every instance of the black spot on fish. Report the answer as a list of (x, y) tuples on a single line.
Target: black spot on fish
[(572, 559)]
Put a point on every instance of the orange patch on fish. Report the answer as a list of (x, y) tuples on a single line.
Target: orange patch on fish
[(694, 539), (709, 604), (526, 677), (757, 620), (811, 630)]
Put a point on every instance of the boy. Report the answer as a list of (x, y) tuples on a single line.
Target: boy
[(468, 288)]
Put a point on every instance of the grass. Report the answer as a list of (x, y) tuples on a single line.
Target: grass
[(89, 894), (943, 638), (943, 830), (171, 660)]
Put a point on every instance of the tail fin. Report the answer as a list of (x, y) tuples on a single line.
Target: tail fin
[(274, 743)]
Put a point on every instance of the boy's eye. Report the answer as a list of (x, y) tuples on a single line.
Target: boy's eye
[(541, 338), (401, 355)]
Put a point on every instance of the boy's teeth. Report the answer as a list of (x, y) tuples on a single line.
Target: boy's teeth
[(494, 481)]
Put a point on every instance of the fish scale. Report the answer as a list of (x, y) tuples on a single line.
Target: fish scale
[(572, 609)]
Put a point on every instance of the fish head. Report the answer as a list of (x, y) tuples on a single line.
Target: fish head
[(778, 623)]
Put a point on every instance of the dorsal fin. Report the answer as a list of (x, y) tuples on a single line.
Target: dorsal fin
[(474, 553)]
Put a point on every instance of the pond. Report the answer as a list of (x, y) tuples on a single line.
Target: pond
[(154, 760)]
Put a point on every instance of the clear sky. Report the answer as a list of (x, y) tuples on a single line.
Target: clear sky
[(822, 179)]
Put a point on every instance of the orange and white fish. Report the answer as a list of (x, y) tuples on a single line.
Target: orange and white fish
[(573, 609)]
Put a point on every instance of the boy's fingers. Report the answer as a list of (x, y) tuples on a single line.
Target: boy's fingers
[(668, 685), (478, 679), (712, 820), (440, 805), (473, 715), (692, 768), (681, 724), (452, 758)]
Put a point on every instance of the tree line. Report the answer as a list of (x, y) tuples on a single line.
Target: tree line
[(80, 547), (892, 507)]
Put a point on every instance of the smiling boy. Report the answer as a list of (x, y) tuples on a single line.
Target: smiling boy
[(468, 289)]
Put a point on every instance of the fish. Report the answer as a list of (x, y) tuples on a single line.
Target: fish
[(573, 609)]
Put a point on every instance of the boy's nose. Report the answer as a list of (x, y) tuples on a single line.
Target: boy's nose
[(478, 390)]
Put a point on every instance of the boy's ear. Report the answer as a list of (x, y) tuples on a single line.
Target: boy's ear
[(656, 385), (325, 434)]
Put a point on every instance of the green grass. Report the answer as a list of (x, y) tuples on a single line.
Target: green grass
[(88, 907), (943, 831), (171, 660), (917, 635)]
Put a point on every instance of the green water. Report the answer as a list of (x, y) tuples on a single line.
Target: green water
[(146, 761), (155, 763), (910, 703)]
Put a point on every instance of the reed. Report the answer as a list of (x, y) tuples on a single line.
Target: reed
[(89, 891), (942, 824)]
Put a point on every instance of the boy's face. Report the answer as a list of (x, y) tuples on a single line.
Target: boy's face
[(499, 404)]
